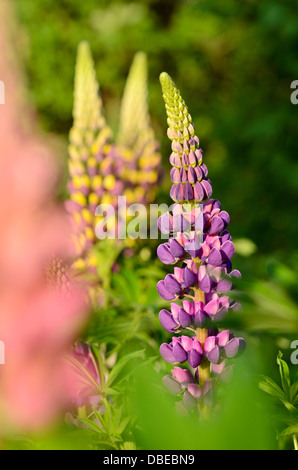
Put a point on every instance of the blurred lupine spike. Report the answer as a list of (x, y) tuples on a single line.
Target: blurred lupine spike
[(88, 109), (200, 241), (137, 144), (134, 115), (92, 156)]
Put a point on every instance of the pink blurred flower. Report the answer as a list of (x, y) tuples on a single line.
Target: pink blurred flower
[(38, 324), (37, 333)]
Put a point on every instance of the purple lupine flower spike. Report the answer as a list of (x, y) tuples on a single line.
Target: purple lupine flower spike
[(199, 240)]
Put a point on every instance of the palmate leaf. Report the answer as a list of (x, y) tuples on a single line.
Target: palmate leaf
[(113, 422), (91, 425), (269, 386)]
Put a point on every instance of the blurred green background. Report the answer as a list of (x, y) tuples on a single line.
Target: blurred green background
[(234, 62)]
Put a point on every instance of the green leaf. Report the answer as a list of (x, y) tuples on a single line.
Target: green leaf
[(91, 425), (118, 368), (284, 373), (293, 429), (270, 387), (294, 393), (102, 420), (123, 425)]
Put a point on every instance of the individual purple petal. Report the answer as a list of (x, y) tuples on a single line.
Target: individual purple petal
[(180, 223), (185, 159), (192, 158), (235, 273), (178, 273), (194, 358), (228, 250), (223, 338), (180, 192), (214, 257), (195, 391), (232, 348), (176, 249), (186, 342), (199, 155), (236, 306), (217, 225), (188, 192), (173, 192), (199, 173), (180, 408), (211, 308), (225, 217), (193, 248), (171, 284), (191, 175), (201, 319), (224, 285), (217, 369), (214, 355), (209, 393), (204, 168), (175, 160), (175, 310), (171, 385), (198, 191), (189, 277), (205, 284), (209, 344), (179, 354), (242, 345), (183, 175), (175, 175), (163, 292), (197, 346), (208, 386), (184, 318), (183, 376), (207, 188), (166, 353), (225, 235), (164, 254), (188, 400), (167, 321), (165, 223), (188, 306)]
